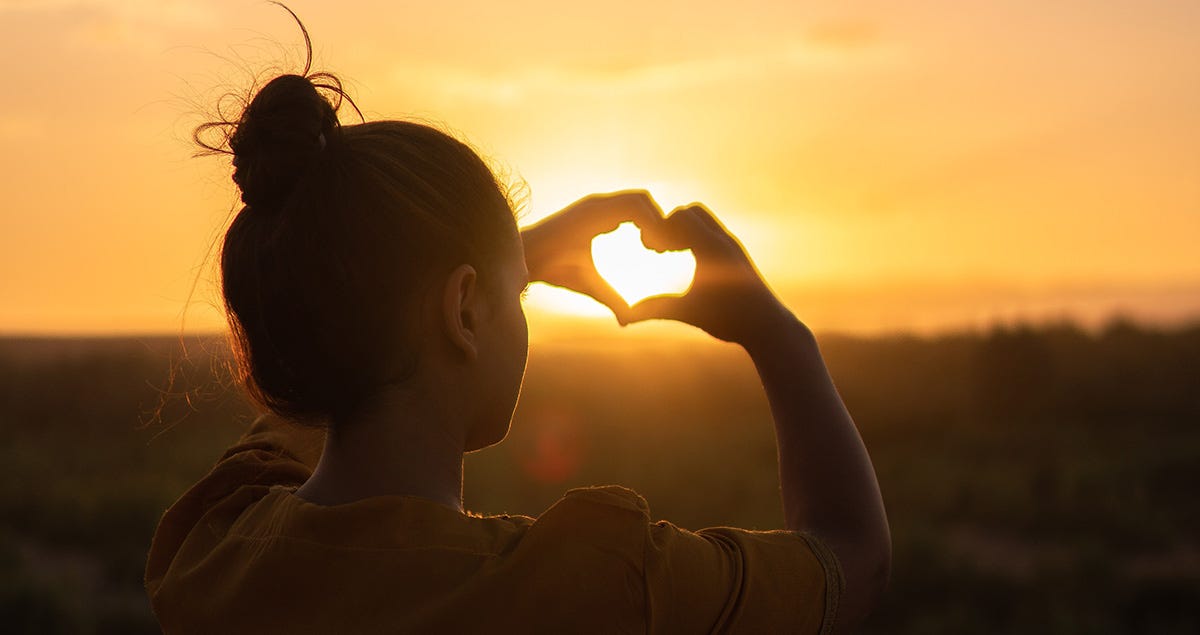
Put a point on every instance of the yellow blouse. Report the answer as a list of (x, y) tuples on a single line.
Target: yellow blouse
[(241, 553)]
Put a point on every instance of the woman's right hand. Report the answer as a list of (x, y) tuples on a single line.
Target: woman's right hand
[(728, 297), (558, 249)]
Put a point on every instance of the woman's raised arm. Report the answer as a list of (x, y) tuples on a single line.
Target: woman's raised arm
[(828, 481)]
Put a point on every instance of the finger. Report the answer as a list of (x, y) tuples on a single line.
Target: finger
[(711, 238), (705, 215), (675, 232), (606, 211), (600, 290), (714, 224), (685, 228), (659, 307)]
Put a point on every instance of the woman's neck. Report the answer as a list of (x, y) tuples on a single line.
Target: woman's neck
[(404, 444)]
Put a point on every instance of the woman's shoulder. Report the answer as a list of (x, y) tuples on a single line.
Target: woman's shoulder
[(617, 497), (271, 453)]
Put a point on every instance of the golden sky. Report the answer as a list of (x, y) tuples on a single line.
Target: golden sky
[(890, 165)]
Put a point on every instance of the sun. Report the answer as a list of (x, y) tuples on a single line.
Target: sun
[(636, 272), (544, 298)]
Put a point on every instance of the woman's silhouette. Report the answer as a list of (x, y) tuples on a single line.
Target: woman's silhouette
[(373, 282)]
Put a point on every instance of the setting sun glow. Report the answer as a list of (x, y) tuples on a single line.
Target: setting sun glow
[(636, 272), (889, 167)]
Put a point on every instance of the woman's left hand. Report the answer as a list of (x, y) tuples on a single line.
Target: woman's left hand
[(558, 249)]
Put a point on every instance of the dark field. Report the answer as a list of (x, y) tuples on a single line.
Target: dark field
[(1038, 480)]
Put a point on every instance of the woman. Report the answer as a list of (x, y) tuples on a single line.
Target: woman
[(373, 283)]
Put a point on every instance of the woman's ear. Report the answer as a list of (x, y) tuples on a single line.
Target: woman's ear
[(461, 310)]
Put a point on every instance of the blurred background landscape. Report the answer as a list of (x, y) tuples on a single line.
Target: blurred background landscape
[(1038, 479)]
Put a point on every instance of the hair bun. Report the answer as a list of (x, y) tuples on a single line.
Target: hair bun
[(279, 136)]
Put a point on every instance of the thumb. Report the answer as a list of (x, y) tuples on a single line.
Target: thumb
[(659, 307), (599, 288)]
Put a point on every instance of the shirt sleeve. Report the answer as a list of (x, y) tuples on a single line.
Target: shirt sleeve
[(724, 579)]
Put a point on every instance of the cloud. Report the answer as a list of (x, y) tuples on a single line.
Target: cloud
[(137, 24), (843, 35), (832, 51), (173, 12)]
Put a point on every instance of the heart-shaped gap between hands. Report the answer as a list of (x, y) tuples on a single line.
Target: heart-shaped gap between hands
[(636, 272)]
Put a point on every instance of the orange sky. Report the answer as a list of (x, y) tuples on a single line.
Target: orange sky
[(891, 166)]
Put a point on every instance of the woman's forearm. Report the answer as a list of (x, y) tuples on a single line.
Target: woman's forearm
[(828, 481)]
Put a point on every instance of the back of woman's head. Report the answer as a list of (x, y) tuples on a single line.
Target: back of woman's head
[(343, 230)]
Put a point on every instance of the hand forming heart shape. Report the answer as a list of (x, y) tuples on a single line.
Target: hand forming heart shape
[(726, 297), (558, 249)]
